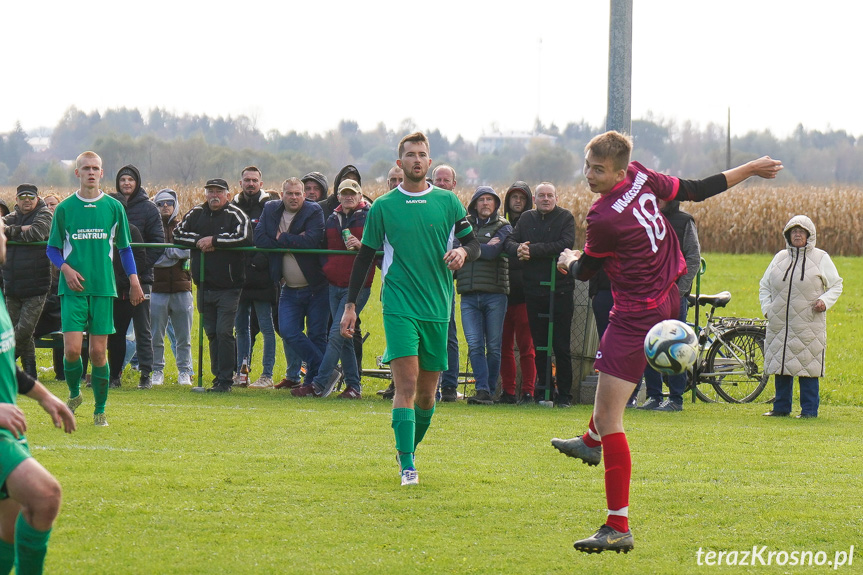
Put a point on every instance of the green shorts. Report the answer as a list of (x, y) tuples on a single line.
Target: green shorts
[(425, 339), (91, 313), (12, 453)]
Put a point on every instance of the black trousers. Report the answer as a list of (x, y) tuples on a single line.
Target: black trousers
[(123, 311)]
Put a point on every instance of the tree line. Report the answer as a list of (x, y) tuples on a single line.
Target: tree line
[(186, 149)]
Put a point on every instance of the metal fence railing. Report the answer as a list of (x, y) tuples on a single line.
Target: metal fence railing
[(583, 336)]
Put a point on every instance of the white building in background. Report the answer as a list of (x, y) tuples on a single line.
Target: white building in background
[(39, 143), (494, 142)]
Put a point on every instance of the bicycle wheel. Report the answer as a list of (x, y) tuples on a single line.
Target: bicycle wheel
[(705, 392), (736, 364)]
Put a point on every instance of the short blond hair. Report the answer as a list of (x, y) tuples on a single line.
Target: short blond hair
[(612, 145), (88, 155), (291, 182)]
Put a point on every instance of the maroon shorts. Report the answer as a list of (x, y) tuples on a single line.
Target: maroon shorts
[(621, 351)]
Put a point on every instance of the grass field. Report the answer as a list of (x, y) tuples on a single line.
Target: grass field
[(260, 482)]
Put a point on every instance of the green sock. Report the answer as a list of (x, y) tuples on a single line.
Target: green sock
[(73, 370), (424, 417), (404, 426), (7, 557), (30, 547), (99, 379)]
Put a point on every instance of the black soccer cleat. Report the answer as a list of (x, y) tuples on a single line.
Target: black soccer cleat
[(606, 539)]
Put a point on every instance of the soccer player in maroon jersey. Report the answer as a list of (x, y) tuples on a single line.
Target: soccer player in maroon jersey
[(631, 240)]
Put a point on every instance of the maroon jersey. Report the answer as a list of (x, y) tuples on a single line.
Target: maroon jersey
[(640, 251)]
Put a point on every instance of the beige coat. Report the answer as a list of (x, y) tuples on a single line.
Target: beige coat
[(796, 278)]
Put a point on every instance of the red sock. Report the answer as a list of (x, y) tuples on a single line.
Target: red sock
[(618, 471), (587, 439)]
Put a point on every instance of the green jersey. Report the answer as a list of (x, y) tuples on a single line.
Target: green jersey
[(8, 379), (415, 230), (86, 232)]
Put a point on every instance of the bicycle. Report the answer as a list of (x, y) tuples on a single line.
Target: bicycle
[(383, 371), (730, 361)]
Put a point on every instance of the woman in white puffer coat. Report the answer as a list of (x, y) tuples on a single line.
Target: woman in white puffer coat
[(799, 286)]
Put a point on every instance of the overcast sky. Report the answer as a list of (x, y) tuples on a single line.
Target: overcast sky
[(465, 67)]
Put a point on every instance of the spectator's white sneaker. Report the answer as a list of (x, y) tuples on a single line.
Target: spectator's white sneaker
[(184, 379), (262, 382), (157, 378)]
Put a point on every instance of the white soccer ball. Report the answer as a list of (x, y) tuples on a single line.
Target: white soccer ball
[(671, 347)]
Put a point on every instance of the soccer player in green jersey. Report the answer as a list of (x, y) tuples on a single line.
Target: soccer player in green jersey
[(415, 224), (86, 227), (29, 494)]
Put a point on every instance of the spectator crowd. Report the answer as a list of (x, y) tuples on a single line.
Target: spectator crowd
[(295, 295), (286, 294)]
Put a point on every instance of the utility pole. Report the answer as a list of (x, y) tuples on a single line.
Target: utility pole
[(728, 142), (619, 115)]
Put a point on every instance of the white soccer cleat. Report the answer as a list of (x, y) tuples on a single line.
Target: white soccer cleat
[(157, 378), (410, 477), (184, 379)]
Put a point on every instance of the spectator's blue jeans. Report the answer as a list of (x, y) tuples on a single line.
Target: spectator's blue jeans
[(449, 378), (167, 310), (809, 399), (482, 316), (293, 360), (305, 307), (676, 383), (264, 313), (339, 347)]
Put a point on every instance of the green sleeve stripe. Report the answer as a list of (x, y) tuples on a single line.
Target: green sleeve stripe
[(464, 232)]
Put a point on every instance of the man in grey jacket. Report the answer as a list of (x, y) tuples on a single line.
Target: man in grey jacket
[(171, 300)]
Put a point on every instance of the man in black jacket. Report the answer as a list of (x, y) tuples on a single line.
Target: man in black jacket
[(27, 272), (217, 224), (260, 293), (143, 214), (539, 236)]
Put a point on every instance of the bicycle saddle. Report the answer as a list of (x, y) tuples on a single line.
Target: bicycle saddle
[(717, 300)]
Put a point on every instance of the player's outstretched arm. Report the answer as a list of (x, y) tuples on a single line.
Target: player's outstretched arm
[(765, 167), (53, 406)]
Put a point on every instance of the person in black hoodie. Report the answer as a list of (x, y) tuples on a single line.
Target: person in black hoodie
[(27, 271), (215, 224), (124, 310), (260, 293), (143, 214), (538, 238), (516, 328), (315, 186)]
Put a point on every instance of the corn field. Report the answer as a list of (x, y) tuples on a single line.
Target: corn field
[(746, 219)]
